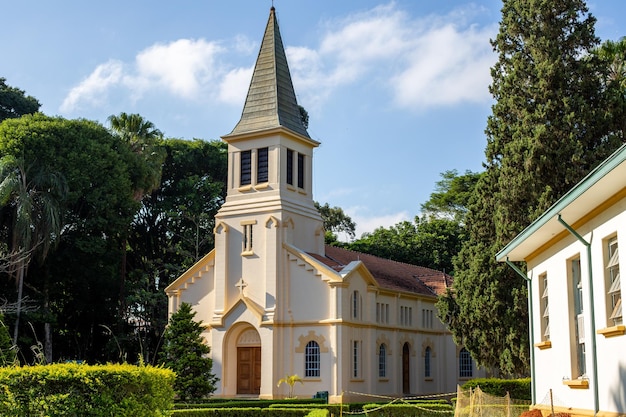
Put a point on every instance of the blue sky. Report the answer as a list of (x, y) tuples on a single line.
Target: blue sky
[(397, 91)]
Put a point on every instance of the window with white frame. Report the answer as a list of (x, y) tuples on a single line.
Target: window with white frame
[(382, 313), (545, 311), (356, 305), (312, 360), (466, 368), (245, 166), (262, 165), (382, 361), (577, 310), (427, 356), (356, 359), (247, 236), (614, 293), (427, 318), (406, 316)]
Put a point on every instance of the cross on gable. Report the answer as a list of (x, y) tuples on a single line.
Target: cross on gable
[(241, 284)]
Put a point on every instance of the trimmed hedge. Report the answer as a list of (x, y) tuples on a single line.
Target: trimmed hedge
[(86, 390), (335, 409), (409, 410), (518, 389), (245, 412), (238, 403)]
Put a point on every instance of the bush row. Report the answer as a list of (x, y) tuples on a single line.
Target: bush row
[(250, 412), (86, 390), (237, 403), (518, 389)]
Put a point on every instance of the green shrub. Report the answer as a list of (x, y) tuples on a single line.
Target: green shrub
[(409, 410), (518, 389), (334, 409), (85, 390)]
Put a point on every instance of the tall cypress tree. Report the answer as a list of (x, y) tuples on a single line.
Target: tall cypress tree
[(547, 130)]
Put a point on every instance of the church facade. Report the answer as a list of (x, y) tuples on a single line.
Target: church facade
[(275, 301)]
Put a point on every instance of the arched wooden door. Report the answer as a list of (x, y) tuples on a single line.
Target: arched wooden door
[(406, 369), (249, 363)]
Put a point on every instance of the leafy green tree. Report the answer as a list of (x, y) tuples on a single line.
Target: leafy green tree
[(99, 206), (429, 242), (31, 197), (172, 230), (7, 352), (451, 197), (335, 221), (14, 102), (548, 128), (185, 352)]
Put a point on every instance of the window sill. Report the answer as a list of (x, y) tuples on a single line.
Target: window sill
[(312, 379), (383, 379), (618, 330), (247, 253), (357, 380), (262, 186), (577, 383), (546, 344), (244, 188), (428, 379)]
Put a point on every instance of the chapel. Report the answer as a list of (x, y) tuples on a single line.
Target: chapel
[(275, 301)]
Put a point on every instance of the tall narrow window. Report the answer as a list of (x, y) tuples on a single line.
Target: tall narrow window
[(614, 294), (427, 354), (356, 359), (578, 368), (289, 167), (262, 165), (247, 238), (246, 168), (356, 305), (382, 361), (300, 170), (465, 364), (545, 318), (312, 360)]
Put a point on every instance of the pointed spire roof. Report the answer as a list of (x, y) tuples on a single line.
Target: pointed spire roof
[(271, 100)]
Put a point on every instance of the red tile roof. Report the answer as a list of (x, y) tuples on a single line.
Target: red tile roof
[(390, 274)]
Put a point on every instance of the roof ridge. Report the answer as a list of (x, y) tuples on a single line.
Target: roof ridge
[(435, 272)]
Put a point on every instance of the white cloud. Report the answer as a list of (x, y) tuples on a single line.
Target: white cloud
[(181, 67), (234, 86), (92, 90), (432, 60), (367, 222)]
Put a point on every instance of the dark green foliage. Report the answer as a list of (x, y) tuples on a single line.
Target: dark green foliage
[(83, 390), (7, 353), (186, 354), (547, 130), (519, 389), (335, 221), (249, 412), (14, 102), (409, 410), (452, 196), (429, 242)]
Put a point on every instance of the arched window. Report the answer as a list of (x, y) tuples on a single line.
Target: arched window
[(312, 360), (427, 354), (465, 364), (382, 361)]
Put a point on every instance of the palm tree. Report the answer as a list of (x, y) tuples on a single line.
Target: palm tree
[(142, 137), (291, 381), (32, 196)]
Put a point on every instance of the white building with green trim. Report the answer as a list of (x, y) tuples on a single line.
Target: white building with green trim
[(578, 337)]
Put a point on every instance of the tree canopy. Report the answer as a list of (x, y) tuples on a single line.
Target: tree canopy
[(14, 102), (548, 128)]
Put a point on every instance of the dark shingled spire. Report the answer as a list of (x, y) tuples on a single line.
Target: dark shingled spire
[(271, 100)]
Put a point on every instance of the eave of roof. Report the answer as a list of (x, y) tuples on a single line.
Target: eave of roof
[(605, 181)]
